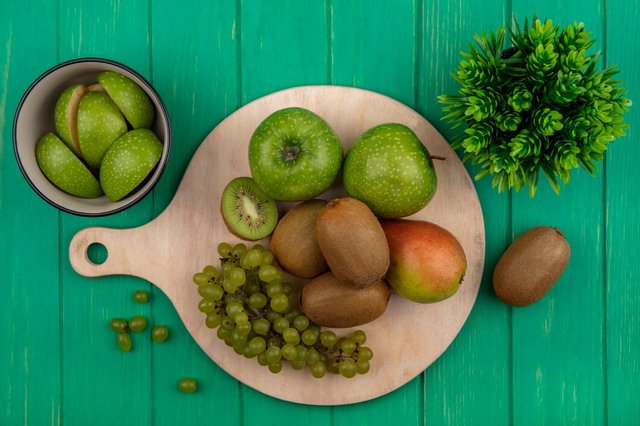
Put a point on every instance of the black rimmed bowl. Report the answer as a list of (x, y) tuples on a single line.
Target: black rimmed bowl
[(35, 117)]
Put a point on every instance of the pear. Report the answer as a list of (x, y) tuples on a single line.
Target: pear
[(130, 98), (128, 162), (427, 263), (100, 123), (66, 116), (66, 171)]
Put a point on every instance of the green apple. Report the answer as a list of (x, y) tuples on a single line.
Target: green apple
[(390, 170), (66, 116), (128, 162), (130, 98), (294, 155), (427, 262), (61, 166), (100, 123)]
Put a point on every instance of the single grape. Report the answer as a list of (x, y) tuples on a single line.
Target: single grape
[(328, 339), (124, 341), (241, 317), (289, 351), (211, 291), (228, 286), (347, 345), (244, 328), (275, 367), (187, 385), (318, 369), (119, 325), (224, 333), (333, 365), (298, 364), (348, 368), (141, 296), (273, 354), (211, 271), (272, 316), (233, 308), (364, 353), (227, 267), (201, 278), (312, 356), (301, 353), (267, 258), (262, 359), (137, 324), (279, 302), (213, 320), (237, 276), (359, 337), (257, 345), (261, 326), (238, 250), (238, 338), (253, 257), (291, 335), (227, 323), (259, 247), (257, 300), (301, 323), (268, 273), (252, 287), (309, 337), (293, 312), (287, 288), (274, 288), (362, 367), (159, 333), (280, 324), (224, 249), (206, 305)]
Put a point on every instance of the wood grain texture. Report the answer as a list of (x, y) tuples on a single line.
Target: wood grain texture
[(480, 357), (169, 249), (622, 233), (554, 343), (29, 280), (196, 72)]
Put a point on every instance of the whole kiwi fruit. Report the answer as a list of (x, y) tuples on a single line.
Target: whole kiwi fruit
[(329, 302), (531, 265), (294, 244), (353, 242)]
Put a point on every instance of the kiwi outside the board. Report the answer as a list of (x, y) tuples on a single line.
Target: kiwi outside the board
[(247, 211)]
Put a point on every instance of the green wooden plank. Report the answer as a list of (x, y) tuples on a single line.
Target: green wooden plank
[(471, 382), (29, 279), (558, 364), (373, 46), (283, 44), (195, 71), (623, 226), (101, 384)]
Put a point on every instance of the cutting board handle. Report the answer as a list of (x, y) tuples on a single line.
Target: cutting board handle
[(121, 246)]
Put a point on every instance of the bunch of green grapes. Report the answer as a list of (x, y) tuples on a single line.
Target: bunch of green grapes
[(257, 314)]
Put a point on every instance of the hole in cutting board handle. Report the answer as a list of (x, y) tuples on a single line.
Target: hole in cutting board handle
[(97, 253)]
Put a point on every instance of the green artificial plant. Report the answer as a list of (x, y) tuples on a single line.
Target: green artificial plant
[(540, 104)]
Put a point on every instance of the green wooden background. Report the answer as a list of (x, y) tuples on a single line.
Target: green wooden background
[(571, 358)]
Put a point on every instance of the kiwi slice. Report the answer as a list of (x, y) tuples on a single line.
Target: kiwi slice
[(248, 212)]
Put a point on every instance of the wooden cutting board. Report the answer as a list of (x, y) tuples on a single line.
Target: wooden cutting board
[(181, 240)]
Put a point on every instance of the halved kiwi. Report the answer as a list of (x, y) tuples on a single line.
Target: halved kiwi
[(247, 211)]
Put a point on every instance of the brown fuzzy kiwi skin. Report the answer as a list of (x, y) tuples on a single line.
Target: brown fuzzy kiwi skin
[(294, 244), (329, 302), (531, 265), (353, 242)]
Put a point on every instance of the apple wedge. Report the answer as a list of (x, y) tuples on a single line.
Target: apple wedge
[(66, 116), (100, 123), (61, 166), (128, 162), (130, 98)]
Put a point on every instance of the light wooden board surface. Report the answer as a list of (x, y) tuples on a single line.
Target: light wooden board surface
[(170, 249)]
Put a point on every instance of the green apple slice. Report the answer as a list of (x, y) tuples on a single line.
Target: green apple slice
[(61, 166), (100, 123), (66, 114), (130, 98), (128, 162)]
